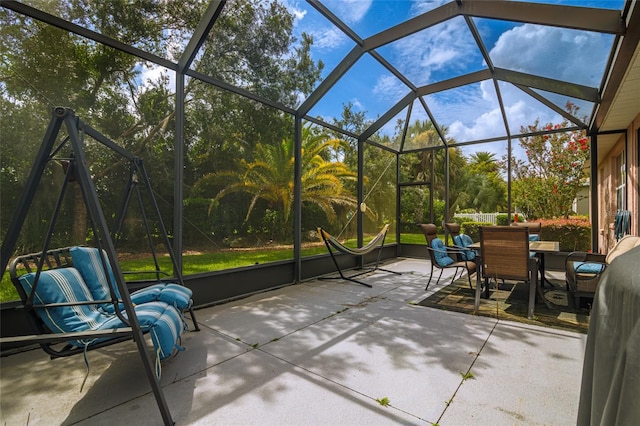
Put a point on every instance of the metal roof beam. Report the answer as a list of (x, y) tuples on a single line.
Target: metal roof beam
[(577, 18), (548, 84), (200, 34), (331, 79), (84, 32), (452, 83), (322, 9), (411, 26), (388, 116), (552, 106)]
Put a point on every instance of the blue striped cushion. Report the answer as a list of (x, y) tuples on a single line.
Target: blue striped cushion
[(163, 322), (176, 295), (63, 285), (87, 261)]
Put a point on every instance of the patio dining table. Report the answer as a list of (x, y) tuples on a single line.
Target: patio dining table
[(539, 247)]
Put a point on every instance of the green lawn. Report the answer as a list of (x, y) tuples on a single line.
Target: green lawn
[(207, 262)]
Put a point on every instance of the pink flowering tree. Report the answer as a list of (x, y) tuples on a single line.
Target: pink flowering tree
[(547, 182)]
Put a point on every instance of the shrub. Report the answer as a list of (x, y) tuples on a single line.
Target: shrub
[(472, 229), (503, 219), (573, 233), (461, 220)]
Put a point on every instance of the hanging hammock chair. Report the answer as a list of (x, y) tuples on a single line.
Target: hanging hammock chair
[(332, 242)]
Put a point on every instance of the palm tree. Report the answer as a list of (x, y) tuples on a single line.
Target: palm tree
[(269, 176), (484, 162), (485, 185)]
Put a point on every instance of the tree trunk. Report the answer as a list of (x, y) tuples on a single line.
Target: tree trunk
[(79, 230)]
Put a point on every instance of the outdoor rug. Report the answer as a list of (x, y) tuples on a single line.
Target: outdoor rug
[(510, 302)]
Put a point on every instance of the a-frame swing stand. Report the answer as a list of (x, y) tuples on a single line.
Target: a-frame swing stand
[(79, 170)]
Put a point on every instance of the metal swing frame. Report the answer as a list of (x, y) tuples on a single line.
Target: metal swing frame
[(77, 169)]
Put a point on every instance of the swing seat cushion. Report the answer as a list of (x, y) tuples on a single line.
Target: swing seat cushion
[(87, 261), (163, 322), (65, 285)]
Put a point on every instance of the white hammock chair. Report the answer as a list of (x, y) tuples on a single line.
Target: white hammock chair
[(377, 241)]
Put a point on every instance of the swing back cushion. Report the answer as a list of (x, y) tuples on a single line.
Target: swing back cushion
[(64, 285), (440, 253), (87, 261)]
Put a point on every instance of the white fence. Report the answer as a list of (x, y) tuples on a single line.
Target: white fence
[(481, 217)]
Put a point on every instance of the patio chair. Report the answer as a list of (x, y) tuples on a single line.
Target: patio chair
[(534, 235), (583, 270), (533, 227), (504, 251), (440, 256), (461, 241)]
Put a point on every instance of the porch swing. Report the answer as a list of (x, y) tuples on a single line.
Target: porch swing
[(78, 295)]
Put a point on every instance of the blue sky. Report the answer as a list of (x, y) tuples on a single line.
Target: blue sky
[(442, 52), (448, 50)]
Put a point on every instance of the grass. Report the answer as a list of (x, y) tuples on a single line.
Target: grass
[(208, 262)]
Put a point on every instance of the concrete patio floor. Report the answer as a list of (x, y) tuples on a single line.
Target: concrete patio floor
[(318, 353)]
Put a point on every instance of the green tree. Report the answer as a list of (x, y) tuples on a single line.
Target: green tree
[(419, 167), (105, 88), (269, 177), (486, 188), (546, 185)]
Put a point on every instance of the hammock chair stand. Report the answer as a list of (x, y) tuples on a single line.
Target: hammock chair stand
[(77, 170), (378, 241)]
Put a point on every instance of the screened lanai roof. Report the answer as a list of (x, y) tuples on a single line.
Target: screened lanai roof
[(478, 70)]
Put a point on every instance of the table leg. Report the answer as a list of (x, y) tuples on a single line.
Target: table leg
[(533, 286), (543, 278), (540, 283), (476, 305)]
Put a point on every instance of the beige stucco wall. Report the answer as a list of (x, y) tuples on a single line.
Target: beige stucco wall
[(607, 182)]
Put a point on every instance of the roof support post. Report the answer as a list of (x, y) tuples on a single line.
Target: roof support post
[(509, 162), (297, 198), (593, 187), (360, 195)]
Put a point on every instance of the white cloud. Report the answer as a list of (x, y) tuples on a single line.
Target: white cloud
[(328, 38), (484, 126), (421, 6), (553, 52), (448, 46), (351, 11), (388, 88), (357, 104)]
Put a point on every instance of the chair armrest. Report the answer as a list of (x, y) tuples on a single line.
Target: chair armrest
[(585, 266), (446, 251), (582, 256)]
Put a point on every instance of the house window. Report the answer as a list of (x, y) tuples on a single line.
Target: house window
[(621, 181)]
